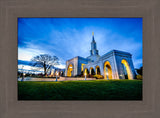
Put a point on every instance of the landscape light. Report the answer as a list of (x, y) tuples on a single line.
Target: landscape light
[(85, 75)]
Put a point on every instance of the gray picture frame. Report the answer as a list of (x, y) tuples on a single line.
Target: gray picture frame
[(10, 10)]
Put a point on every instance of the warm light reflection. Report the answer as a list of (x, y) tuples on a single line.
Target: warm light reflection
[(69, 70), (56, 73), (98, 70), (127, 69), (86, 71), (91, 70), (107, 70), (82, 67), (52, 73)]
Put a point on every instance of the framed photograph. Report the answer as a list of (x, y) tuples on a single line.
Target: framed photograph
[(89, 59), (61, 59)]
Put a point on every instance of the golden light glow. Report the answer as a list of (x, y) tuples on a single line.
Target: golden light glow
[(69, 70), (86, 71), (107, 66), (127, 69), (97, 70), (52, 73), (82, 67), (91, 70), (56, 73), (92, 33)]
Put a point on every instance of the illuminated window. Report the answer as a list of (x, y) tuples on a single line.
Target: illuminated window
[(126, 69), (107, 70), (70, 70), (82, 67), (98, 70)]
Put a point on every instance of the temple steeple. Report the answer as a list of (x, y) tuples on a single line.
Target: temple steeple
[(93, 50), (93, 37)]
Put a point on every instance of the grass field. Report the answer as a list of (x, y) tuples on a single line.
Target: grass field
[(81, 90)]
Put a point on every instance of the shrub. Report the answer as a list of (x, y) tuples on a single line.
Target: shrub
[(78, 76), (98, 76), (90, 76), (139, 77)]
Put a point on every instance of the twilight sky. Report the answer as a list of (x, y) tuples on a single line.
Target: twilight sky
[(70, 37)]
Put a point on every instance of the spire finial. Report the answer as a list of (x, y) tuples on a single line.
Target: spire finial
[(93, 37)]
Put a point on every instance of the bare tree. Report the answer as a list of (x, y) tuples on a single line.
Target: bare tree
[(45, 61)]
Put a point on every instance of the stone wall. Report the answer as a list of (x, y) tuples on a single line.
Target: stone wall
[(119, 58), (76, 62), (114, 57)]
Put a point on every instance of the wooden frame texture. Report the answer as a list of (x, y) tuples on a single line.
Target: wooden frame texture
[(10, 10)]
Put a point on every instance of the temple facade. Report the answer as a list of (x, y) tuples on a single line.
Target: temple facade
[(56, 72), (114, 64)]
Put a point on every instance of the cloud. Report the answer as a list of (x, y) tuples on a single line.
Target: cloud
[(138, 63), (27, 68), (70, 37), (28, 53)]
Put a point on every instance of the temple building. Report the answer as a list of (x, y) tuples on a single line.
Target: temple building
[(56, 72), (114, 64)]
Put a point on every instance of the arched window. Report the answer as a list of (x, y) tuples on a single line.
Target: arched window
[(107, 70), (86, 71), (98, 70), (92, 71), (70, 70), (126, 69)]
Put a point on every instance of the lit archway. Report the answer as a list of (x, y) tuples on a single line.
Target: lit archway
[(86, 71), (92, 71), (52, 73), (126, 69), (82, 66), (70, 70), (107, 70), (57, 73), (61, 73), (98, 70)]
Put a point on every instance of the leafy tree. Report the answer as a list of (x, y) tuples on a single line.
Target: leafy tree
[(45, 61)]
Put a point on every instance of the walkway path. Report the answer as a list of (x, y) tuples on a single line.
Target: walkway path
[(53, 79)]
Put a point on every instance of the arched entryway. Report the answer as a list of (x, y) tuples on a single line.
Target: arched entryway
[(61, 73), (57, 73), (107, 70), (92, 71), (70, 70), (98, 70), (52, 73), (126, 69), (86, 71)]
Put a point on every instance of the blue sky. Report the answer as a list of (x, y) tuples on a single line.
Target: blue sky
[(70, 37)]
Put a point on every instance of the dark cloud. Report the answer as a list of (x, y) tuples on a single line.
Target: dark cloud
[(22, 62)]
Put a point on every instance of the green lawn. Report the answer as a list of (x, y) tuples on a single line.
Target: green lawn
[(81, 90)]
